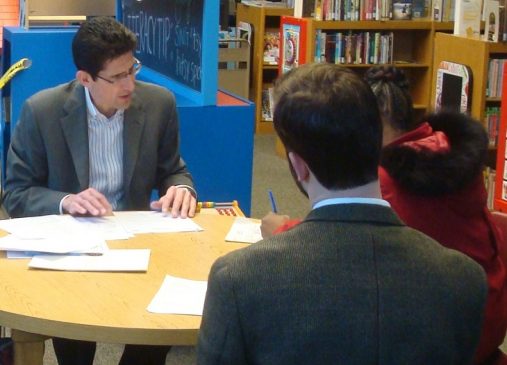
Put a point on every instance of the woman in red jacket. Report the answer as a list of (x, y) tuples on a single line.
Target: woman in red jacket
[(432, 175)]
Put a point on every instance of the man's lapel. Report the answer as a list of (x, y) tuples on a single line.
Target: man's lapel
[(133, 123), (75, 130)]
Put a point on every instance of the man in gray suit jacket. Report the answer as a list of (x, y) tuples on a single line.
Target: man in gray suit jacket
[(351, 284), (103, 141), (100, 143)]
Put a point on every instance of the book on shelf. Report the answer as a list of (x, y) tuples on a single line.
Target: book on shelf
[(271, 47), (448, 10), (402, 10), (420, 8), (492, 18), (354, 47), (492, 123), (444, 10), (502, 21), (267, 104), (436, 10), (268, 4), (352, 10), (489, 183), (290, 41), (304, 8), (467, 18), (495, 77)]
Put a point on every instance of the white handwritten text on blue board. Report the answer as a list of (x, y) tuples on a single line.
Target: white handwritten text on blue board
[(169, 36)]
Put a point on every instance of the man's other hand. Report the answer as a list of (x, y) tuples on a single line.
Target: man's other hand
[(178, 201), (87, 202)]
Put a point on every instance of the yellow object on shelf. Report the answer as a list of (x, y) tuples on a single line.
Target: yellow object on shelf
[(22, 64)]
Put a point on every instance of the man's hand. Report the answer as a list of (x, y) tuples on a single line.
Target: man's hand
[(87, 202), (270, 222), (178, 200)]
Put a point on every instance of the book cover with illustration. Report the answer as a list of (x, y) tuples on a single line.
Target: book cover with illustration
[(467, 18), (453, 87), (292, 43), (271, 47), (290, 46)]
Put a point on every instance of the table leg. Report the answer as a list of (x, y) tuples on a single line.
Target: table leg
[(28, 348)]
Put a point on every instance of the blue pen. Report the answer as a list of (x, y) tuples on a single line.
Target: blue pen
[(272, 200)]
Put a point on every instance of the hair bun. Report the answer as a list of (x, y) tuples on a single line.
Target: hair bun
[(388, 74)]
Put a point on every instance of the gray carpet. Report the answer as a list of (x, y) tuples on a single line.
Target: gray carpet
[(269, 172)]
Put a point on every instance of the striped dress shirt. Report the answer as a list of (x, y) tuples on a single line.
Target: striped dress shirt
[(105, 139)]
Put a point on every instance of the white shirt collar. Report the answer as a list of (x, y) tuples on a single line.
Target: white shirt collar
[(92, 110), (333, 201)]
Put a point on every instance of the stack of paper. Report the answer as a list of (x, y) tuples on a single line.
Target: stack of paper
[(112, 260), (63, 242), (49, 234)]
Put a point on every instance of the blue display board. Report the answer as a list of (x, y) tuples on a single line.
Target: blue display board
[(177, 39), (169, 37)]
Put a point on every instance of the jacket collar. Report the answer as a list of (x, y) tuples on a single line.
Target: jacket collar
[(361, 213)]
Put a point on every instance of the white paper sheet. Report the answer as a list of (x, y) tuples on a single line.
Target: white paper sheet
[(154, 222), (179, 296), (43, 226), (112, 260), (106, 227), (244, 230), (98, 250), (53, 244)]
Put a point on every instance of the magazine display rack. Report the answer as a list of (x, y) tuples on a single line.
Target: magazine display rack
[(234, 66)]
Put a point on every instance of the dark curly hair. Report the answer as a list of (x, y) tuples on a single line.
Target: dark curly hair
[(391, 87)]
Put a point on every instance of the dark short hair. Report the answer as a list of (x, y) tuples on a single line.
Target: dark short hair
[(328, 115), (98, 40), (391, 87)]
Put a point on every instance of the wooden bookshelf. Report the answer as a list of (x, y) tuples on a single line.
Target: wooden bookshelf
[(263, 75), (413, 51)]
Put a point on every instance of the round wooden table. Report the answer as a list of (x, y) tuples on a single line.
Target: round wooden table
[(109, 307)]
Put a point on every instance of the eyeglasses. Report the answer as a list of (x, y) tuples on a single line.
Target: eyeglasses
[(134, 70)]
